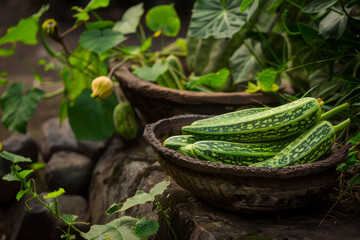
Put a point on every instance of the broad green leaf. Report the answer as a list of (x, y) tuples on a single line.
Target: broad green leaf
[(153, 72), (118, 229), (13, 157), (318, 5), (333, 25), (142, 197), (220, 19), (212, 80), (55, 194), (354, 140), (90, 119), (267, 78), (100, 25), (95, 4), (100, 41), (24, 173), (25, 31), (243, 64), (164, 18), (17, 109), (245, 4), (114, 208), (146, 227), (10, 177), (20, 194), (146, 45), (251, 11), (130, 20)]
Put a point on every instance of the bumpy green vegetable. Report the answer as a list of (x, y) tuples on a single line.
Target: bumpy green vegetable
[(175, 142), (308, 147), (226, 117), (236, 153), (125, 121), (274, 124)]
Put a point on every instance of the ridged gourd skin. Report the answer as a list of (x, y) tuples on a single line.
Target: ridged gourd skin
[(306, 148), (240, 154), (274, 124), (219, 119), (175, 142)]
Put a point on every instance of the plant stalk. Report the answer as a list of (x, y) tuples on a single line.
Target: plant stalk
[(334, 111)]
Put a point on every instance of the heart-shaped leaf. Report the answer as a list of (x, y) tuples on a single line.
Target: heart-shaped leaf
[(267, 78), (130, 19), (220, 19), (153, 72), (90, 119), (99, 41), (18, 109), (118, 229), (212, 80), (333, 25), (164, 18), (243, 64)]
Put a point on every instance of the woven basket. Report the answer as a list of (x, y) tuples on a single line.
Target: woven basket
[(242, 188), (155, 102)]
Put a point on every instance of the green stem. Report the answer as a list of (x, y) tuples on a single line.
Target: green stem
[(334, 111), (48, 49), (268, 46), (158, 205), (342, 125), (255, 56), (54, 93), (295, 4), (320, 61), (356, 68)]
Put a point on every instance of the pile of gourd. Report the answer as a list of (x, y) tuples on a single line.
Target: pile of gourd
[(294, 133)]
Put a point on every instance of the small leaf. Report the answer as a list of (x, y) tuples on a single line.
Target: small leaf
[(113, 208), (95, 4), (333, 25), (38, 166), (146, 228), (213, 80), (142, 197), (23, 174), (13, 157), (267, 78), (99, 41), (10, 177), (318, 5), (20, 194), (100, 25), (55, 194), (151, 73), (245, 4), (118, 229), (18, 109), (130, 20), (70, 218), (356, 139), (7, 52), (164, 18), (252, 88)]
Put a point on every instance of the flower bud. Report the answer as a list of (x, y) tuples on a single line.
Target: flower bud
[(102, 87), (51, 29)]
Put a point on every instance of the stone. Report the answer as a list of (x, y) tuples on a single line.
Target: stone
[(69, 170), (192, 218), (116, 176), (41, 225), (11, 215), (56, 137), (20, 144)]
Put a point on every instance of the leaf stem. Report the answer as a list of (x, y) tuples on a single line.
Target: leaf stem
[(334, 111), (342, 125), (54, 93)]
